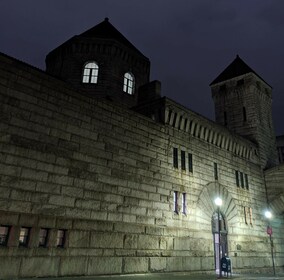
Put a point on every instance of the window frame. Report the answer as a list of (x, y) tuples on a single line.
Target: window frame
[(242, 180), (90, 73), (129, 83), (175, 157), (237, 178), (43, 244), (6, 236), (246, 181), (183, 163), (61, 240), (183, 203), (190, 163), (175, 202), (216, 177), (26, 238)]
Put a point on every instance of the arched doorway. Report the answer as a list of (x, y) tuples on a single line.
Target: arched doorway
[(219, 230)]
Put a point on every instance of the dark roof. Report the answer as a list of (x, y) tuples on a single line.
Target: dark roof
[(237, 68), (105, 30)]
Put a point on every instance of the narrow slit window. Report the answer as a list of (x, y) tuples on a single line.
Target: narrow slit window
[(183, 203), (244, 114), (175, 157), (215, 171), (237, 178), (182, 154), (4, 235), (246, 181), (129, 83), (90, 73), (242, 179), (175, 202), (190, 165)]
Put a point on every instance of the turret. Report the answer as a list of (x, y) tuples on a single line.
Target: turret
[(243, 103), (101, 62)]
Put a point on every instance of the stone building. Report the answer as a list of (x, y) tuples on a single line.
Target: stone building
[(101, 175)]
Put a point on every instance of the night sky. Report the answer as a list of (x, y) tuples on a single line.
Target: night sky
[(189, 42)]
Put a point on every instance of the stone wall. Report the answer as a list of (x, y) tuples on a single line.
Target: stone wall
[(105, 175)]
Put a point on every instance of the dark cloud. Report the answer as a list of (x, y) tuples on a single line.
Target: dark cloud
[(188, 42)]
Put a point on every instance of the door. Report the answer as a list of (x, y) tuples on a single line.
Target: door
[(219, 230)]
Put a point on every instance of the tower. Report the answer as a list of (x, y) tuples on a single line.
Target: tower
[(243, 102), (101, 62)]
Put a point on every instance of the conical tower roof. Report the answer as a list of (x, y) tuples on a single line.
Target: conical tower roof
[(105, 30), (237, 68)]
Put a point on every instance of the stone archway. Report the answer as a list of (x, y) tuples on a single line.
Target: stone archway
[(206, 207), (206, 211)]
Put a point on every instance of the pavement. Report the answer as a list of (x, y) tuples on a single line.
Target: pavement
[(169, 276)]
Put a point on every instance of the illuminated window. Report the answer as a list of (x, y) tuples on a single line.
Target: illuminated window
[(175, 202), (182, 154), (128, 84), (175, 157), (90, 74), (61, 237), (43, 235), (183, 203), (190, 166), (24, 236), (4, 235)]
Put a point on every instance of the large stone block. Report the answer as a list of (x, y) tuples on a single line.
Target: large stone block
[(79, 239), (9, 267), (127, 227), (39, 267), (73, 266), (174, 264), (106, 240), (130, 241), (148, 242), (158, 264), (104, 265), (136, 265)]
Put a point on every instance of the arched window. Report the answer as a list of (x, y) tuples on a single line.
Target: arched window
[(90, 74), (128, 84)]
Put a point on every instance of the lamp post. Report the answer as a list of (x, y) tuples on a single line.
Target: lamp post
[(218, 202), (268, 215)]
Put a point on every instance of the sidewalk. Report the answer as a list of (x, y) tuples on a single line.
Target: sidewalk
[(168, 276)]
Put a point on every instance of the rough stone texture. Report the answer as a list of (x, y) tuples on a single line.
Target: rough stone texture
[(73, 266), (39, 267), (102, 265), (105, 174)]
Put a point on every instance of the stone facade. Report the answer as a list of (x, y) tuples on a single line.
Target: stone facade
[(131, 190)]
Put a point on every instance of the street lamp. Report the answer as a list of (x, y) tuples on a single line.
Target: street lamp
[(218, 201), (268, 215)]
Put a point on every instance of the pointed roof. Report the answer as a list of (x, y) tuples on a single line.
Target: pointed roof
[(237, 68), (105, 30)]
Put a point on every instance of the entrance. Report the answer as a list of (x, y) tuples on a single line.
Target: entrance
[(219, 230)]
